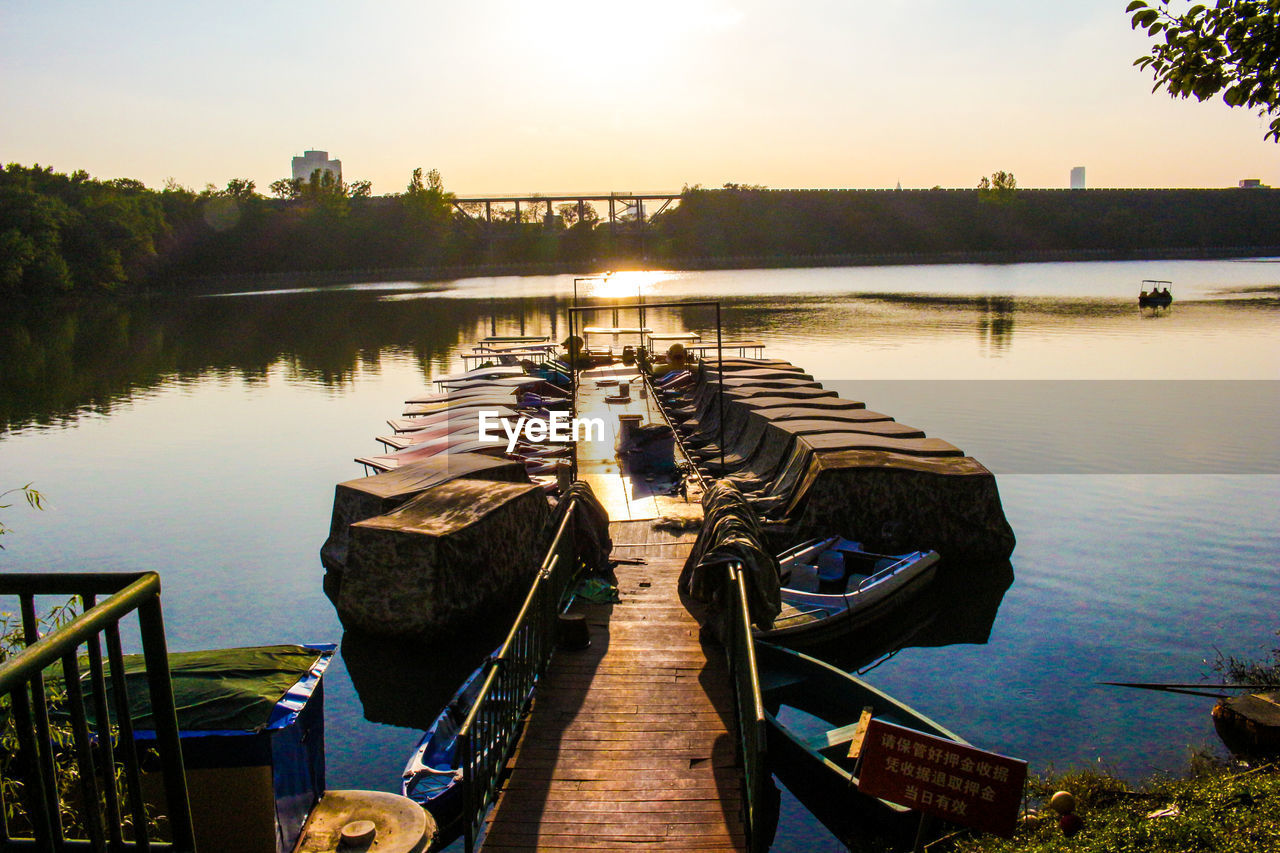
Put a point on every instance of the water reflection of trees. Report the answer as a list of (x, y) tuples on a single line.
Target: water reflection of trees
[(64, 361), (995, 323)]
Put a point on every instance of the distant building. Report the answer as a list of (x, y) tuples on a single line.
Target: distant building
[(305, 165), (1077, 178), (1253, 184)]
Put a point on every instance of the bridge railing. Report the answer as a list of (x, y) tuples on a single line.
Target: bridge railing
[(489, 734), (749, 705), (100, 759)]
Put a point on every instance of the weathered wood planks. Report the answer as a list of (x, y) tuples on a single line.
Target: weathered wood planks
[(630, 742)]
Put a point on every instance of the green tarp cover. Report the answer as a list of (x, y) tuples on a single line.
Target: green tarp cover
[(220, 689)]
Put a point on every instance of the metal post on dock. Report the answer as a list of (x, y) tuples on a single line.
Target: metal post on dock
[(720, 370)]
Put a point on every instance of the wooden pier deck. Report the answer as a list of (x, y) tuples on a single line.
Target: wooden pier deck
[(630, 743)]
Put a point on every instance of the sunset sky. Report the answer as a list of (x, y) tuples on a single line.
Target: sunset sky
[(515, 96)]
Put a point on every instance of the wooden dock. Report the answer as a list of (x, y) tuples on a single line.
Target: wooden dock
[(630, 743)]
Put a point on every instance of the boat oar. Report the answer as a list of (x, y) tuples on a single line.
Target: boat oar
[(1191, 689)]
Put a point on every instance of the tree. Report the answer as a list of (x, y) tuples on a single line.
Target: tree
[(287, 188), (427, 200), (1232, 48), (241, 189), (1000, 187)]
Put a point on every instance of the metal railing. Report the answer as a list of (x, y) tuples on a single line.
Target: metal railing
[(103, 763), (749, 704), (641, 307), (490, 732), (654, 395)]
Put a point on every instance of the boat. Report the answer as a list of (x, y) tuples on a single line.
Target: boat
[(828, 595), (1153, 295), (433, 776), (1249, 725), (251, 722), (812, 711), (831, 587)]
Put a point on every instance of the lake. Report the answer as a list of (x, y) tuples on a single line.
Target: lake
[(1137, 456)]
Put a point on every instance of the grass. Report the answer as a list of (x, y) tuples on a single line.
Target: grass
[(1219, 809)]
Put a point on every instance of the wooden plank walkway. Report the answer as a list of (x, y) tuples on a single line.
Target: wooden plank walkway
[(630, 743)]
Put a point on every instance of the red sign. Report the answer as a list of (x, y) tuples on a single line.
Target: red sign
[(941, 777)]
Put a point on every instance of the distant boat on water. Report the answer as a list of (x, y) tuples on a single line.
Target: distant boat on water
[(1155, 294)]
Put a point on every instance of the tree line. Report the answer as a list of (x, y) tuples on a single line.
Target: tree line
[(73, 234), (996, 217)]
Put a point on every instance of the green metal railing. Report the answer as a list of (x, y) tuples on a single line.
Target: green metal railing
[(740, 648), (103, 764), (491, 730)]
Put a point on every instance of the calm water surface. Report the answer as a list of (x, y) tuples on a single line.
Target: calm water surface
[(202, 439)]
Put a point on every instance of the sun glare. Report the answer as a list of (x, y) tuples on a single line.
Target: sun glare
[(620, 285)]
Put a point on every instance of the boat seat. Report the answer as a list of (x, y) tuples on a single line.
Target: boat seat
[(803, 578), (773, 680), (833, 737), (792, 615), (854, 579)]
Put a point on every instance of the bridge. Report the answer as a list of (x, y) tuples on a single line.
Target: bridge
[(630, 207)]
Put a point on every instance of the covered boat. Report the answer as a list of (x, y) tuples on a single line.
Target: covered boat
[(445, 556), (251, 724), (893, 501), (366, 497)]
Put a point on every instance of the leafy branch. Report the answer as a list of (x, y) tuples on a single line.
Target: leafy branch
[(34, 499), (1232, 47)]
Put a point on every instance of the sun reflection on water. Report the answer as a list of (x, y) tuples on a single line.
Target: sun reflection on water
[(619, 285)]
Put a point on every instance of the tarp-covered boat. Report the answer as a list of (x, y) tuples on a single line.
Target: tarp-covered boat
[(366, 497), (441, 558), (894, 502), (251, 724)]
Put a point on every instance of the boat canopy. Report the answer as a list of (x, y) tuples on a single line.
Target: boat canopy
[(432, 564), (366, 497), (894, 502), (481, 373), (230, 691)]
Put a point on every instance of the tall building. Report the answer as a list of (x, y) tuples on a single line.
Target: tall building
[(311, 160), (1077, 178)]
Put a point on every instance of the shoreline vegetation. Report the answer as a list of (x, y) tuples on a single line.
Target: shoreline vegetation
[(1214, 807), (73, 235)]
